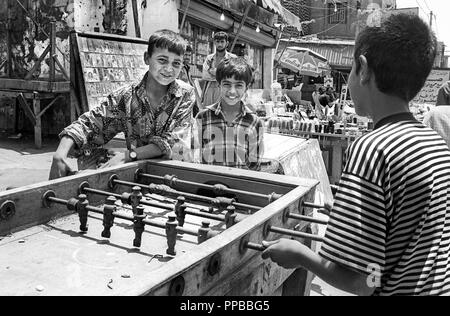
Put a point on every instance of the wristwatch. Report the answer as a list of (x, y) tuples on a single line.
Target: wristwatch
[(132, 155)]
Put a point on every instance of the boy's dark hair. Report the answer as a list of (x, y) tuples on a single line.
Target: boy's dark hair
[(236, 67), (400, 53), (167, 39), (220, 36)]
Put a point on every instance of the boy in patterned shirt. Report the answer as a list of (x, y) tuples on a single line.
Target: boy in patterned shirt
[(152, 114), (389, 228)]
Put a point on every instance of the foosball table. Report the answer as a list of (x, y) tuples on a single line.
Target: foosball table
[(154, 228)]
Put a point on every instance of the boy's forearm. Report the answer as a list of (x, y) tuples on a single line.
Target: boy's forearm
[(65, 146), (336, 275), (148, 151)]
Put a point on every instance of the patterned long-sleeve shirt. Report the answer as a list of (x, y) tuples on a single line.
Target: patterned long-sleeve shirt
[(161, 125), (239, 143)]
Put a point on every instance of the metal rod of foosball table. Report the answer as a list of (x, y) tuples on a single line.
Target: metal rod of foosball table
[(154, 204), (306, 218), (118, 196), (294, 233), (320, 208), (254, 246), (219, 218), (172, 181), (312, 205), (190, 196), (149, 222)]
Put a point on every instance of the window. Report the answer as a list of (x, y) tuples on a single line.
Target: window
[(337, 13)]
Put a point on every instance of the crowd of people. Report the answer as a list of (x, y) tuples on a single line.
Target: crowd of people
[(388, 232), (324, 102)]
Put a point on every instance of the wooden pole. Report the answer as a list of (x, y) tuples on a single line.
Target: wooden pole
[(60, 66), (240, 26), (184, 15), (52, 50), (9, 42), (38, 125), (136, 18), (37, 63)]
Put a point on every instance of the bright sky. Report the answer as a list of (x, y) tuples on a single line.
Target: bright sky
[(441, 22)]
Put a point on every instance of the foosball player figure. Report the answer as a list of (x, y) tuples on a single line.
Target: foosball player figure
[(108, 216), (135, 198), (203, 232), (230, 216), (171, 233), (138, 226), (222, 203), (83, 212), (180, 211)]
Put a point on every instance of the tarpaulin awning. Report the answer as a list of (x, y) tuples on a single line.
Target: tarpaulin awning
[(270, 7), (338, 53), (275, 6), (304, 61)]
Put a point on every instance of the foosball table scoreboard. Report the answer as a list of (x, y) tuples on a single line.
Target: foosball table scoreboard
[(154, 228)]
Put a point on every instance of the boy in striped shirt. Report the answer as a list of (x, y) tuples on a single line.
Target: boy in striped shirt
[(389, 227)]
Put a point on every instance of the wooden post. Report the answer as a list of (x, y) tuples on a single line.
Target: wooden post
[(136, 18), (9, 42), (240, 26), (38, 126), (358, 17), (52, 50), (73, 87), (184, 15)]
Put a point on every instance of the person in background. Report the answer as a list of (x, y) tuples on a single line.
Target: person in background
[(443, 97), (388, 232), (227, 132), (185, 75), (153, 114), (319, 109), (439, 119), (211, 93)]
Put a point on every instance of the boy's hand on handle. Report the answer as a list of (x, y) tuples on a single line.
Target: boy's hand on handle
[(287, 253)]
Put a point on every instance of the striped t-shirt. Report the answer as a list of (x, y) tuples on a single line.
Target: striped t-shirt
[(391, 213)]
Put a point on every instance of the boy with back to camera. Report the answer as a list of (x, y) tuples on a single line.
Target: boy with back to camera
[(388, 232)]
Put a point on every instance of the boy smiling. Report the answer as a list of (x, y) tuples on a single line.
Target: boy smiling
[(228, 132), (151, 113)]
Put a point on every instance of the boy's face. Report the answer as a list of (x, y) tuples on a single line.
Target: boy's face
[(232, 91), (164, 66), (357, 92)]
